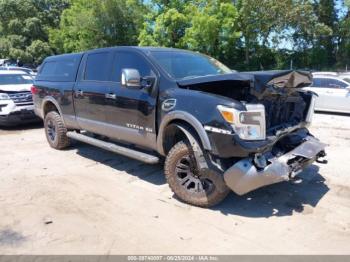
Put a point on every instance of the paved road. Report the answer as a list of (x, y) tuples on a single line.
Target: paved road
[(88, 201)]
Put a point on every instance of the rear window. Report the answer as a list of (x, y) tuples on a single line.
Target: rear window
[(15, 79), (63, 69)]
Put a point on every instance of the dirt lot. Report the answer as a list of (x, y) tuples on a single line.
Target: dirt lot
[(89, 201)]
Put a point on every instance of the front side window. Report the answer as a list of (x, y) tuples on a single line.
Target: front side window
[(15, 79), (128, 60), (97, 67), (182, 64)]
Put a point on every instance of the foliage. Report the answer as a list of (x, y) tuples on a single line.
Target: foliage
[(93, 23), (206, 26), (24, 28), (244, 34)]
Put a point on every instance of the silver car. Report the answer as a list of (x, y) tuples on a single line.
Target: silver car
[(333, 93)]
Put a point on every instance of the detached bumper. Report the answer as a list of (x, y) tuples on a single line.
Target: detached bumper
[(244, 177)]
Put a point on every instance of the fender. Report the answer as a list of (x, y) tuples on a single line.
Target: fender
[(201, 162), (190, 119), (53, 101)]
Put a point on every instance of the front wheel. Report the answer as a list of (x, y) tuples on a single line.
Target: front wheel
[(55, 131), (204, 188)]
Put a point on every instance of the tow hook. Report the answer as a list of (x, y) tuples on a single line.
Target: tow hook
[(319, 157), (260, 161)]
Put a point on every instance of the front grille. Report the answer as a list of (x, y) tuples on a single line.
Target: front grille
[(22, 98), (281, 113)]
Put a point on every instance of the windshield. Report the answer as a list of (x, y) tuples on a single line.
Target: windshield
[(347, 80), (15, 79), (180, 65)]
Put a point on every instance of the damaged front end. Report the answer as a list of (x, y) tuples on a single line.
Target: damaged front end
[(269, 168), (269, 141), (287, 106)]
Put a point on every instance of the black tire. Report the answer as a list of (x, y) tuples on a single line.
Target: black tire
[(204, 189), (55, 131)]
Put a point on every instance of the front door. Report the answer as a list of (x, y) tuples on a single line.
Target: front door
[(132, 112)]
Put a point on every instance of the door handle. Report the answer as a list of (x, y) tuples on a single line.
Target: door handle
[(111, 96)]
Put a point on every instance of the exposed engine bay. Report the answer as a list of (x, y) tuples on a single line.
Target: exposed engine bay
[(286, 105)]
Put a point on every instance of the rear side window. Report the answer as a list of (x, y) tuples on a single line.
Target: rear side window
[(48, 69), (124, 60), (97, 67), (62, 70)]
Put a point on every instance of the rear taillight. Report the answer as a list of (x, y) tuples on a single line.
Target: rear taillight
[(34, 90)]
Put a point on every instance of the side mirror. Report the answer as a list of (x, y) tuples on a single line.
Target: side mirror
[(131, 78)]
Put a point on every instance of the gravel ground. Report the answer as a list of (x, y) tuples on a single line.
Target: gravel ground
[(88, 201)]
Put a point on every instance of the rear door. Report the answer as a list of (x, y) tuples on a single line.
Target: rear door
[(131, 113), (91, 90)]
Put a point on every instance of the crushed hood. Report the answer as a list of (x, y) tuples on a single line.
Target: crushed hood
[(260, 83), (215, 78), (15, 88), (279, 82)]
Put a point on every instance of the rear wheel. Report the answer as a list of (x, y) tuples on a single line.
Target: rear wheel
[(55, 131), (202, 188)]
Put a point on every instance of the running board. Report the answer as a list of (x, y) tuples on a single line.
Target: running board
[(150, 159)]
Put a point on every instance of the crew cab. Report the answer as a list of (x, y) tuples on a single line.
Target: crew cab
[(16, 103), (216, 129)]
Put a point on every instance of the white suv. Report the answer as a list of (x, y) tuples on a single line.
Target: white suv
[(16, 102)]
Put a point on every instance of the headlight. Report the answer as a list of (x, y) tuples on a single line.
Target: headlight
[(248, 125), (4, 96)]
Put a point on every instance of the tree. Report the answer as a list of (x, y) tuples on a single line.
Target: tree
[(266, 24), (343, 52), (24, 28), (88, 24), (324, 50), (206, 26)]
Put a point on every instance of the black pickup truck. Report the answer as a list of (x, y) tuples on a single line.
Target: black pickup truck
[(216, 129)]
